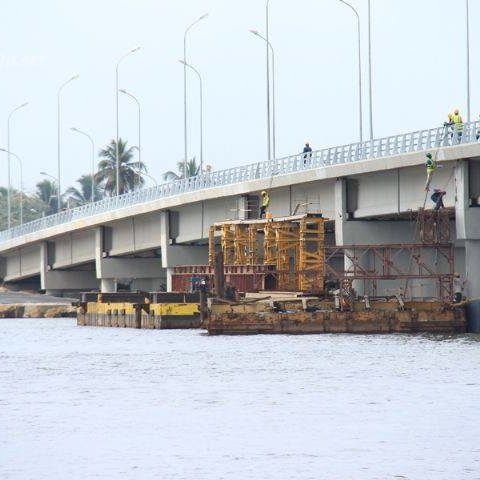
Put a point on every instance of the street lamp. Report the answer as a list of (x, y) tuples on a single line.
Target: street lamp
[(64, 84), (359, 66), (20, 163), (55, 185), (269, 45), (9, 192), (370, 94), (117, 159), (267, 21), (139, 122), (185, 64), (468, 60), (205, 15), (85, 134)]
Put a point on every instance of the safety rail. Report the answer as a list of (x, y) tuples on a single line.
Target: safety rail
[(447, 135)]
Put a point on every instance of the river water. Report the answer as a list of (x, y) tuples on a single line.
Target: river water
[(92, 403)]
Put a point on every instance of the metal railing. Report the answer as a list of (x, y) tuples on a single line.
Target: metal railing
[(447, 135)]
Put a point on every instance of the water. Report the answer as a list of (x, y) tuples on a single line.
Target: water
[(92, 403)]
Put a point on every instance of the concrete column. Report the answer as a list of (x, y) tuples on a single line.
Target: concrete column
[(169, 280), (468, 229), (108, 285)]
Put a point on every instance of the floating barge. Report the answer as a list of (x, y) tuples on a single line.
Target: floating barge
[(285, 317), (157, 310)]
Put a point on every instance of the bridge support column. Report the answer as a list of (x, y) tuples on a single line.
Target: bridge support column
[(141, 273), (467, 219), (176, 255), (108, 285), (60, 282)]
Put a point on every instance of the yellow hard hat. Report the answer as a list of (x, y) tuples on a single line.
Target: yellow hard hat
[(264, 192)]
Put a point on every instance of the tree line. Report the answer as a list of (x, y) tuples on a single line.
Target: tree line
[(44, 200)]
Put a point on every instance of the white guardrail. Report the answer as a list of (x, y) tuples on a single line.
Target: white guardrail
[(383, 147)]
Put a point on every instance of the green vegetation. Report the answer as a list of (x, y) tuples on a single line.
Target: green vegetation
[(43, 201)]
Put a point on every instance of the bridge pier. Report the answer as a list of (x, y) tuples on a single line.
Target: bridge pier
[(60, 282), (175, 255), (467, 215)]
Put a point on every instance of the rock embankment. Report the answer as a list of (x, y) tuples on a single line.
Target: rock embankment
[(34, 305)]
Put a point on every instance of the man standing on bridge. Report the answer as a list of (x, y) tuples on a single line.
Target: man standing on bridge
[(265, 204), (307, 151)]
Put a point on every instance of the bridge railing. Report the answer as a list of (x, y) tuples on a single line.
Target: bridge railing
[(382, 147)]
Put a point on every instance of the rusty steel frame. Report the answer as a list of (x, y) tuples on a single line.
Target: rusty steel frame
[(388, 268), (434, 226)]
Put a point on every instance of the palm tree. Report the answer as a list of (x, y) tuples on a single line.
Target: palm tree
[(130, 171), (47, 193), (192, 170), (83, 194)]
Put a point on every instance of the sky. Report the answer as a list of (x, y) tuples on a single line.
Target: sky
[(419, 75)]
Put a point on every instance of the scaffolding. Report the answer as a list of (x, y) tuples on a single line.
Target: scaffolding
[(294, 248)]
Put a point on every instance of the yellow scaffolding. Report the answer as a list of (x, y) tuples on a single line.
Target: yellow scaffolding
[(311, 265), (294, 246)]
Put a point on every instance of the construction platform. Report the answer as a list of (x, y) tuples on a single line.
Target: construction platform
[(307, 315)]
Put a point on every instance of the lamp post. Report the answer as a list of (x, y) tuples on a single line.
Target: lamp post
[(125, 92), (62, 86), (359, 66), (269, 45), (201, 108), (55, 184), (185, 126), (9, 192), (468, 60), (117, 159), (370, 94), (85, 134), (20, 163)]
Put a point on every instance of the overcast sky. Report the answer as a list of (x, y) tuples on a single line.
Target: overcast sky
[(419, 75)]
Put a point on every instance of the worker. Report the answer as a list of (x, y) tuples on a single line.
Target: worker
[(458, 287), (265, 204), (437, 198), (431, 165), (448, 127), (307, 152), (457, 123)]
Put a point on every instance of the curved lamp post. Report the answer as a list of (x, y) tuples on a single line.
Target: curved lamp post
[(359, 66), (269, 45), (85, 134), (185, 125), (20, 163), (201, 108), (62, 86), (7, 150), (117, 159)]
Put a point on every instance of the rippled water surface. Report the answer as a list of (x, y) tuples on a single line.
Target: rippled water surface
[(91, 403)]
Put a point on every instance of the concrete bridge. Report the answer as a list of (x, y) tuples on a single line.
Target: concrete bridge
[(367, 189)]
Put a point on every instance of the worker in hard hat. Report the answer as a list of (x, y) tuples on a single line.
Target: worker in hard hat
[(457, 124), (265, 204), (431, 165)]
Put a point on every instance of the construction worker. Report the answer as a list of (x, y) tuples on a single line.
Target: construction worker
[(437, 198), (457, 123), (458, 287), (431, 165), (265, 204)]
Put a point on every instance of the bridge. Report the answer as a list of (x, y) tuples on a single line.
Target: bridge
[(367, 189)]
